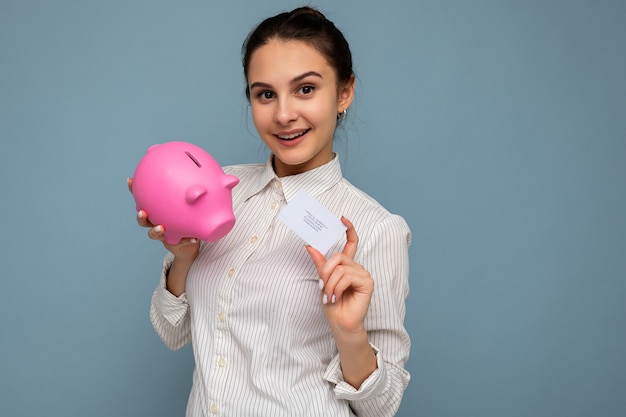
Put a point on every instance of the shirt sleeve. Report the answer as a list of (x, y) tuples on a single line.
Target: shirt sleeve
[(170, 314), (385, 255)]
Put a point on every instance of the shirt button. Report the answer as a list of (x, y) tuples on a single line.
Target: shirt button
[(214, 408), (221, 362), (221, 317), (253, 239), (277, 184), (231, 272), (273, 205)]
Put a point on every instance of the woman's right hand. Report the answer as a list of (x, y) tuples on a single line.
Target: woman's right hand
[(186, 250)]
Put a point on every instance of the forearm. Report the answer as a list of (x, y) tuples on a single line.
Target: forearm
[(177, 276), (357, 358)]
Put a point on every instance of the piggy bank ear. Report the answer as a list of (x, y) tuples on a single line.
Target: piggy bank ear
[(230, 181), (194, 192)]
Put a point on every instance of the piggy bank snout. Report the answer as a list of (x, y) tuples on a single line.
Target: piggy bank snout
[(211, 210), (218, 228)]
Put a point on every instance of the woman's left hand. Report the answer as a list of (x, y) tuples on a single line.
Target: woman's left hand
[(347, 287)]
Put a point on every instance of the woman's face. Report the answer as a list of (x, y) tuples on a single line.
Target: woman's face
[(295, 100)]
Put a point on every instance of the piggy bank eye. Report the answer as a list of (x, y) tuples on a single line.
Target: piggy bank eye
[(195, 161)]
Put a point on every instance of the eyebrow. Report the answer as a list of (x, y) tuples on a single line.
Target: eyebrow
[(295, 80)]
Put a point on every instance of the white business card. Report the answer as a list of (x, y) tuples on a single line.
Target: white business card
[(313, 222)]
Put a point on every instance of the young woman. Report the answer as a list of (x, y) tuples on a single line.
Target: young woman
[(278, 328)]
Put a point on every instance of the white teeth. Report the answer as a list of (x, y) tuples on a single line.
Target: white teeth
[(295, 135)]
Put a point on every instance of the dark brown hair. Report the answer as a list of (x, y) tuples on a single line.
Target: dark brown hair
[(302, 24)]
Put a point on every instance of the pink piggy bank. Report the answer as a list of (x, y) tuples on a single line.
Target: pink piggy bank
[(181, 187)]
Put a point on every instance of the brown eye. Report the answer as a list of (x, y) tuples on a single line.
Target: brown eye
[(306, 90)]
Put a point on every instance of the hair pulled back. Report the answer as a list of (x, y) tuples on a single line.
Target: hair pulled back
[(307, 25)]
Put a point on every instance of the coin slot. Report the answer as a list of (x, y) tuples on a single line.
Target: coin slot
[(195, 161)]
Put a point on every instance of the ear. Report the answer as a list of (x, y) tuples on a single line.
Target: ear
[(346, 95), (230, 181), (194, 192)]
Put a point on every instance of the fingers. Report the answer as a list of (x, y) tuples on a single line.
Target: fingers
[(351, 277), (142, 219), (337, 272), (325, 268), (352, 239), (349, 250), (156, 233), (338, 275), (187, 247), (318, 259), (324, 273)]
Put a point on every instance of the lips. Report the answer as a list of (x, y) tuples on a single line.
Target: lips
[(292, 135)]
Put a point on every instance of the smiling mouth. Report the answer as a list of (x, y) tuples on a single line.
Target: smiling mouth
[(293, 135)]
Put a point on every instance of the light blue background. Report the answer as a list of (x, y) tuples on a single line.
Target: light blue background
[(496, 128)]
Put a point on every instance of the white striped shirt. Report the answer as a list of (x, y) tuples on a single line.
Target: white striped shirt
[(252, 309)]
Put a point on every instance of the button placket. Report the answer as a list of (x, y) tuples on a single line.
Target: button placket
[(277, 195), (273, 201)]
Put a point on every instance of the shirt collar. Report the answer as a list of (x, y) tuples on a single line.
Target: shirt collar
[(315, 181)]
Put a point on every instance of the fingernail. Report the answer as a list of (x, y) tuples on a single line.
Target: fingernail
[(320, 283), (333, 299), (325, 299), (158, 229), (194, 240), (140, 214)]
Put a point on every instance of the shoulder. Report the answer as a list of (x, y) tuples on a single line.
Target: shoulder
[(369, 216)]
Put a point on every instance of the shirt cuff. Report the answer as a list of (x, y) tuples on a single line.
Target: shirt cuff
[(371, 387), (171, 307)]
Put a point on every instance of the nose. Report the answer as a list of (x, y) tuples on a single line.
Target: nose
[(286, 112)]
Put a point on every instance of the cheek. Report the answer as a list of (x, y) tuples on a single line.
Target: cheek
[(322, 112), (332, 104), (328, 118), (260, 116)]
